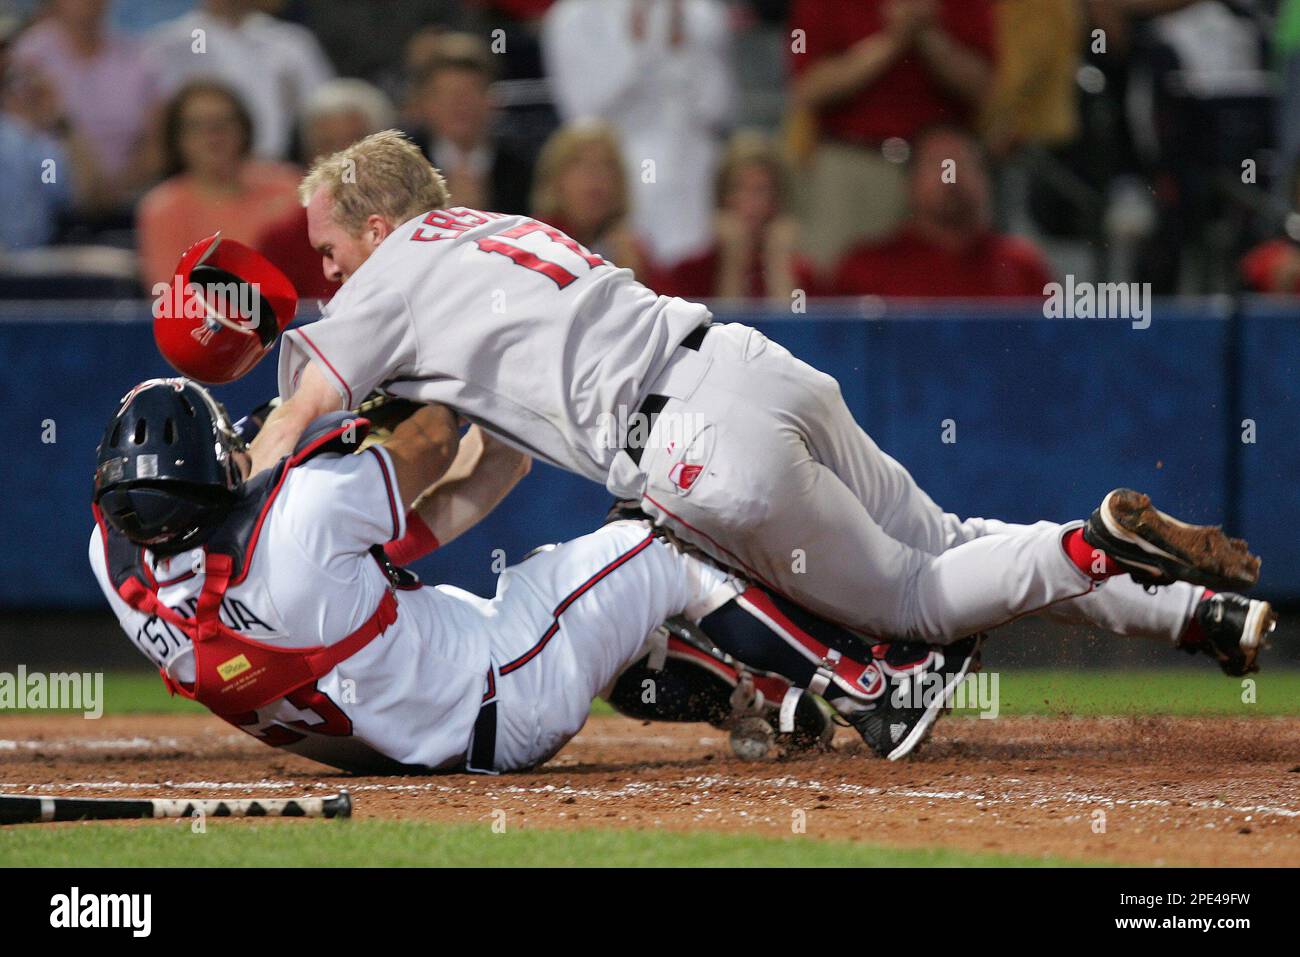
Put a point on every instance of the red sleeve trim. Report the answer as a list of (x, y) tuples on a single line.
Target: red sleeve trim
[(418, 541), (320, 355)]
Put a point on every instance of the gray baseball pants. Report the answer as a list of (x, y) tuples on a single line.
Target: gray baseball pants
[(756, 459)]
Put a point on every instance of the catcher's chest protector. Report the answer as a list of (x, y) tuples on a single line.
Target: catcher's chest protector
[(234, 673)]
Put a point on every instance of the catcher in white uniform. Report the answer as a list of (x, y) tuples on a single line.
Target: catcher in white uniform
[(718, 433), (270, 601)]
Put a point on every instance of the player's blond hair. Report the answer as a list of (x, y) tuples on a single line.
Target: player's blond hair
[(384, 174)]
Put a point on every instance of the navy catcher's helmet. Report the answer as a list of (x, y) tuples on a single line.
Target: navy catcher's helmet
[(165, 475)]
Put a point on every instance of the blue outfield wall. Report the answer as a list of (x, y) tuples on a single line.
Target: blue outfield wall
[(1048, 415)]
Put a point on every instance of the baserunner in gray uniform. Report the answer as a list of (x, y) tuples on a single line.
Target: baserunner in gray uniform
[(742, 449)]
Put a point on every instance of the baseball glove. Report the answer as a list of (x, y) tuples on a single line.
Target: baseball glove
[(385, 412)]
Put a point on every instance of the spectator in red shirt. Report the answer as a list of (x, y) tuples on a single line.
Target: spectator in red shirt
[(755, 251), (946, 247), (337, 115), (873, 74)]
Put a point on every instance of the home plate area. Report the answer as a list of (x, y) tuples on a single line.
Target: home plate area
[(1131, 790)]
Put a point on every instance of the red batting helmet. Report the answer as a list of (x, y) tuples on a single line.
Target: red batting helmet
[(223, 311)]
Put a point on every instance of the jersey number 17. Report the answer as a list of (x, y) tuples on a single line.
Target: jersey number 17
[(530, 260)]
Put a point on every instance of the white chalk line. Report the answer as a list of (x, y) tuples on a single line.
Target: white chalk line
[(701, 785), (135, 743), (167, 743)]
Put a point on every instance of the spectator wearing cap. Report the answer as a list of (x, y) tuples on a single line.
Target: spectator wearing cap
[(755, 250), (873, 74), (213, 182), (272, 65), (581, 189), (660, 72), (107, 93), (453, 107), (947, 246), (337, 115)]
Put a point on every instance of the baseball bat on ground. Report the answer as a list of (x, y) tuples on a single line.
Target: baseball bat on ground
[(21, 808)]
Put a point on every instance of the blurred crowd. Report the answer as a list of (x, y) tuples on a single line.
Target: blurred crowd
[(762, 149)]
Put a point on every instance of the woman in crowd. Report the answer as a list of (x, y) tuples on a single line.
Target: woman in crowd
[(581, 188), (212, 183), (755, 249)]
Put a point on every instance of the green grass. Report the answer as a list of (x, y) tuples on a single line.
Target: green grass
[(420, 844), (1028, 692), (1162, 692), (134, 692)]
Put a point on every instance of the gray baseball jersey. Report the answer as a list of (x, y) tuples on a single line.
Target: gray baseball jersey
[(505, 319), (754, 456)]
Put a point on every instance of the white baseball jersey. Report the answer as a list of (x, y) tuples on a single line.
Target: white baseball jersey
[(508, 321), (411, 695), (562, 626)]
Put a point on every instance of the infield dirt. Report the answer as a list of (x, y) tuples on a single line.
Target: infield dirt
[(1148, 790)]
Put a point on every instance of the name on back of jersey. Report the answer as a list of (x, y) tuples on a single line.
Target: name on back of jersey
[(451, 223)]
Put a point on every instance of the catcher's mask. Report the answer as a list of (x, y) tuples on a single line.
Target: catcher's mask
[(223, 311), (166, 474)]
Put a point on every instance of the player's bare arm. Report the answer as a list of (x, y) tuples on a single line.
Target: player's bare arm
[(285, 425), (484, 473), (422, 448)]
